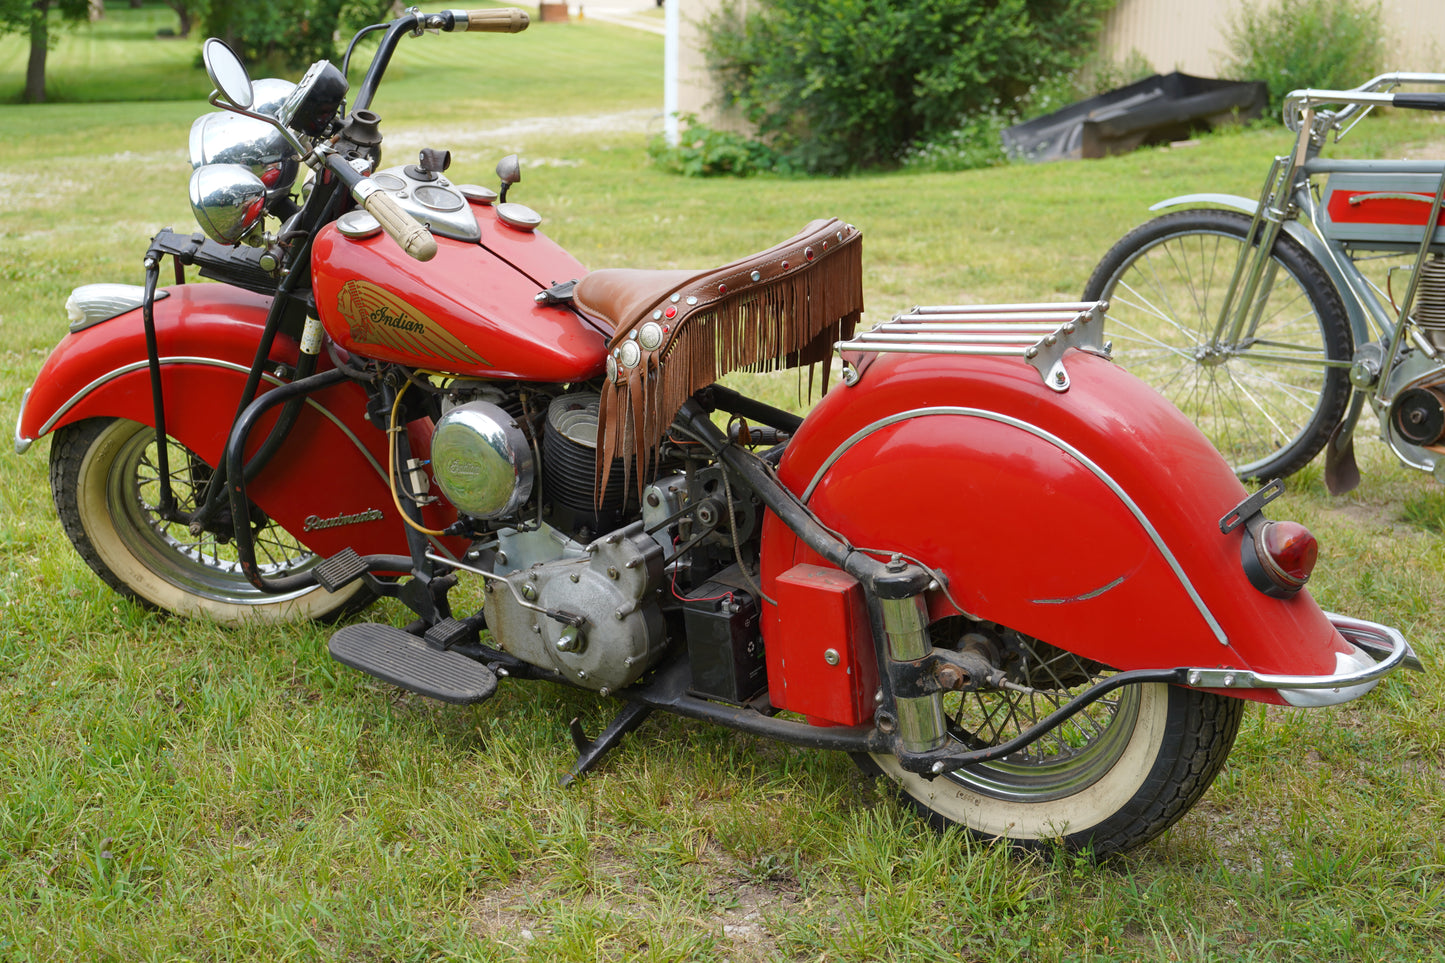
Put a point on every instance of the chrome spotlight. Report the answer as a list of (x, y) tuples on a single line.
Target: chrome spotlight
[(228, 200)]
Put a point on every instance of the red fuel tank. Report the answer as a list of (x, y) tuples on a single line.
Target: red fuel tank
[(471, 310)]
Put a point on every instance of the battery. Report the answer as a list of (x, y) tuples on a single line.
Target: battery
[(724, 644)]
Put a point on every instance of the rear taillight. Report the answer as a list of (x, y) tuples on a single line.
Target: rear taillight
[(1279, 557)]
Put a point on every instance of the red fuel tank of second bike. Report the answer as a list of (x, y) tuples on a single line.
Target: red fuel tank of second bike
[(471, 310)]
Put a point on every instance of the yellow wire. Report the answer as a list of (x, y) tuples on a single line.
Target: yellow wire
[(391, 433)]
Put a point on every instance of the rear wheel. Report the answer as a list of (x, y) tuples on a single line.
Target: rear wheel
[(1266, 401), (104, 477), (1107, 780)]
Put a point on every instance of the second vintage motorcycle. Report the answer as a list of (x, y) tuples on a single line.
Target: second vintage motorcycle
[(989, 563), (1272, 322)]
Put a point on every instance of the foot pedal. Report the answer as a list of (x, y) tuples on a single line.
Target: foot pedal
[(407, 661), (450, 633), (340, 570)]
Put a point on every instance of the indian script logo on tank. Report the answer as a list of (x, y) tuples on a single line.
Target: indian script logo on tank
[(376, 316)]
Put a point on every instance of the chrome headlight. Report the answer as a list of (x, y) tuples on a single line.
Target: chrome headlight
[(228, 200), (224, 138)]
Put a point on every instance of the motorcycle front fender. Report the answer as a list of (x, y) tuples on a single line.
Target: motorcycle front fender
[(1087, 518), (327, 485)]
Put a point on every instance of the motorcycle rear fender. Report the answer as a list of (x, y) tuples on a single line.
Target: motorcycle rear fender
[(1359, 323), (326, 485), (1087, 518)]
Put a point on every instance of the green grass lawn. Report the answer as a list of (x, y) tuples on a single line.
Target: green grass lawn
[(178, 791)]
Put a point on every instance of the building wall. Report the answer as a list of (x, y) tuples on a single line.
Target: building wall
[(1174, 35), (695, 92), (1185, 35)]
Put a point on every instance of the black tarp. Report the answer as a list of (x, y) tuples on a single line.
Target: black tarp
[(1158, 109)]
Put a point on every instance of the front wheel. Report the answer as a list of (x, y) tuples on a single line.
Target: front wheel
[(1267, 399), (1107, 780), (104, 479)]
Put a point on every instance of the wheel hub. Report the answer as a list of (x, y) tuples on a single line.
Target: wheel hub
[(1211, 355)]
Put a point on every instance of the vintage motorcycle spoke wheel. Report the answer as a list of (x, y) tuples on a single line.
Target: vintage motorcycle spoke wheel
[(104, 479), (1107, 780), (1265, 401)]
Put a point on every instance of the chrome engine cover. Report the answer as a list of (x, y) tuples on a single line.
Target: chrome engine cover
[(595, 619), (482, 460)]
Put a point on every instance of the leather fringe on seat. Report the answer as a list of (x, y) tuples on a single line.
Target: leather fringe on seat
[(783, 308)]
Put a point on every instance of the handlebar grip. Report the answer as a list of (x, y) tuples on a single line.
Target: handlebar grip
[(409, 234), (1420, 101), (498, 20)]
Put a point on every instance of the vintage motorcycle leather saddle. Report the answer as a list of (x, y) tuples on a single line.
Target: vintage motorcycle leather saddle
[(675, 332)]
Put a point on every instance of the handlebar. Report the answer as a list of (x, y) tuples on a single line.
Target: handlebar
[(415, 23), (1368, 95), (501, 20), (1420, 101), (410, 235)]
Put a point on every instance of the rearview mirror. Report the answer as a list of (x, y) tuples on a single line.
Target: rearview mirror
[(227, 73)]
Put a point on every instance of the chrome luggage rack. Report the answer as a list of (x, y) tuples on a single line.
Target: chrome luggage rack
[(1039, 333)]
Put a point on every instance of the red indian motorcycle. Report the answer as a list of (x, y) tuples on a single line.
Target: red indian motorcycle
[(990, 564)]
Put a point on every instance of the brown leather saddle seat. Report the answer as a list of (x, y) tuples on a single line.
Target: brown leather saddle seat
[(623, 297), (677, 331)]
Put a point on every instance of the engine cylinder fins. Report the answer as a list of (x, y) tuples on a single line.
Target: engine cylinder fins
[(1418, 416), (1429, 312), (569, 458), (482, 460)]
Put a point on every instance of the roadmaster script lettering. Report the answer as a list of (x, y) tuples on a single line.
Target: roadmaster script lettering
[(378, 317), (316, 522)]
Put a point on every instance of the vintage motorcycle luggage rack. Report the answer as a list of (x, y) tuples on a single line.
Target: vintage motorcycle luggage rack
[(1039, 333), (366, 408), (1273, 321)]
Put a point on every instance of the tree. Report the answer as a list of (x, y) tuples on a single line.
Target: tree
[(287, 33), (188, 11), (33, 17)]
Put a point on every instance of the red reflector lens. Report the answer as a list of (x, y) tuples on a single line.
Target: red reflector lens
[(1288, 552), (271, 176), (253, 212)]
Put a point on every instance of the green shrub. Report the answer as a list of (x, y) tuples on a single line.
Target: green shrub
[(1290, 44), (704, 151), (976, 142), (835, 85)]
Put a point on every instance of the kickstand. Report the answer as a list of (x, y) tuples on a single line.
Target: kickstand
[(591, 751)]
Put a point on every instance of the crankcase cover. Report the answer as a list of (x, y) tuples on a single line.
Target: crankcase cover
[(623, 632), (482, 460), (593, 620)]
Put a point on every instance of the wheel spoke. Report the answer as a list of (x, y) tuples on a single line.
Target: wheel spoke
[(1139, 301), (1093, 781), (1166, 285), (1050, 677), (201, 562)]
